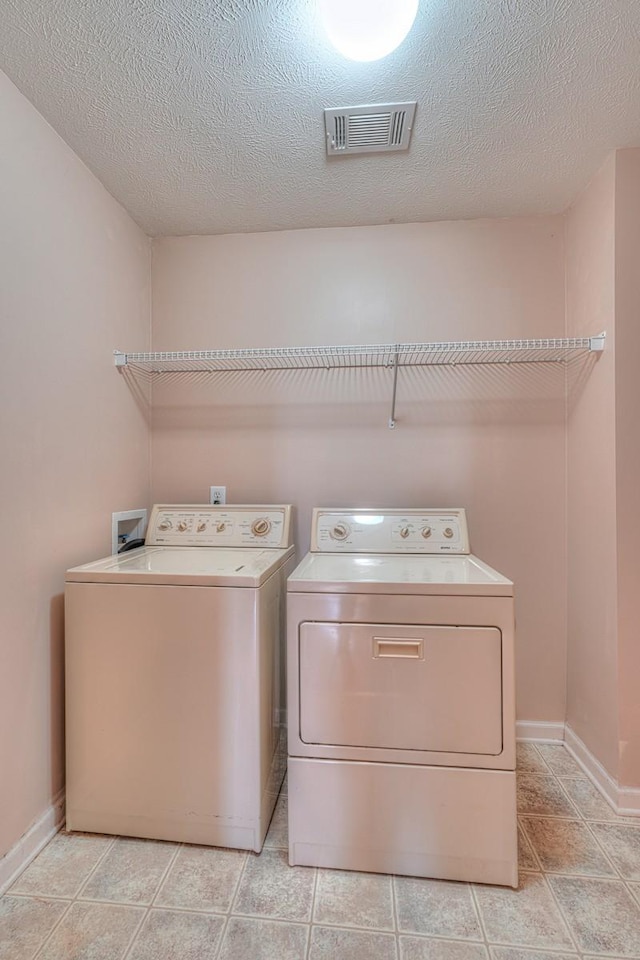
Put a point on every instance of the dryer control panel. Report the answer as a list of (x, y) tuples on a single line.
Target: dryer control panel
[(389, 531), (217, 525)]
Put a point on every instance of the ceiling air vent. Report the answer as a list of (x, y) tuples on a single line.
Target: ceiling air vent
[(376, 128)]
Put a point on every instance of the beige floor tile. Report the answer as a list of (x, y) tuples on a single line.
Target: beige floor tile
[(93, 931), (560, 761), (63, 866), (621, 842), (513, 953), (271, 888), (635, 890), (542, 797), (278, 833), (528, 760), (589, 802), (247, 939), (281, 775), (351, 899), (526, 917), (131, 871), (330, 943), (427, 948), (166, 935), (526, 857), (202, 878), (437, 908), (601, 914), (25, 923), (566, 846), (284, 789)]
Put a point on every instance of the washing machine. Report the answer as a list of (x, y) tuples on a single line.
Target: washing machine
[(175, 678), (401, 698)]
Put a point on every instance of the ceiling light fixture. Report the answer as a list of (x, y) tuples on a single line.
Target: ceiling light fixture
[(367, 30)]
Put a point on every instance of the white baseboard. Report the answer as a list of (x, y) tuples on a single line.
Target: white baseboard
[(624, 800), (628, 802), (32, 842), (545, 730)]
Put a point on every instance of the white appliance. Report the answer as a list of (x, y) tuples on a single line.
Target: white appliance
[(175, 679), (401, 700)]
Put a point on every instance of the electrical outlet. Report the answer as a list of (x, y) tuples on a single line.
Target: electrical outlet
[(217, 494)]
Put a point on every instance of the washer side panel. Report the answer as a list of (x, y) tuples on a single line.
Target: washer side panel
[(162, 712)]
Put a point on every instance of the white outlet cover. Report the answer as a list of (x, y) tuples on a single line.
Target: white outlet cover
[(217, 494)]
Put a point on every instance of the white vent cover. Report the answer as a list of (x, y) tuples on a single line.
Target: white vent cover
[(376, 128)]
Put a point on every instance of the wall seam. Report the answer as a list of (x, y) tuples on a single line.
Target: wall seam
[(619, 685), (565, 251), (150, 408)]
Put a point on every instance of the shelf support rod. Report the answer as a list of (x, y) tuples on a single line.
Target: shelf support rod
[(392, 418)]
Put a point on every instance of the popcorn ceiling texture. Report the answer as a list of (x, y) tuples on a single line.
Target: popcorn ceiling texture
[(205, 116)]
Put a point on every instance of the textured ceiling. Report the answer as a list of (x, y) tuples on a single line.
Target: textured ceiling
[(206, 117)]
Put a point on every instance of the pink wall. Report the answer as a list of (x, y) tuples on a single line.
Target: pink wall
[(591, 476), (603, 292), (489, 439), (74, 285), (628, 458)]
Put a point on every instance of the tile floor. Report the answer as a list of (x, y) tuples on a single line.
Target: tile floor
[(99, 898)]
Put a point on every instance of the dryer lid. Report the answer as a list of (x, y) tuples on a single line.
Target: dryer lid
[(388, 573)]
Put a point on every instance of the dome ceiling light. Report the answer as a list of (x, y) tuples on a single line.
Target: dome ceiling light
[(366, 30)]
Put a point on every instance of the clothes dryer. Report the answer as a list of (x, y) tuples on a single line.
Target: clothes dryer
[(174, 678), (401, 700)]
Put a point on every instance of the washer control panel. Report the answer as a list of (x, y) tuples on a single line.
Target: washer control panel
[(389, 531), (214, 525)]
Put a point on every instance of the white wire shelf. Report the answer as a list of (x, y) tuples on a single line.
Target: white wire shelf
[(393, 355), (368, 355)]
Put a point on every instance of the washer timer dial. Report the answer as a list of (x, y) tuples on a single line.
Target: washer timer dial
[(260, 527)]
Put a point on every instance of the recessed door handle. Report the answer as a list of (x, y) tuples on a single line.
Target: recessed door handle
[(396, 647)]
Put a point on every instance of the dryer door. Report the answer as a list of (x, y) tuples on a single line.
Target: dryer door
[(435, 688)]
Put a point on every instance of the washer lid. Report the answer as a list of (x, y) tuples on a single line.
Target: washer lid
[(386, 573), (206, 566)]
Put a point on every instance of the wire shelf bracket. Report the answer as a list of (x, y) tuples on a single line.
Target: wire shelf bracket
[(392, 415), (391, 355)]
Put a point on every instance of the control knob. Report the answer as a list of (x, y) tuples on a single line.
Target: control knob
[(404, 532), (165, 525), (426, 532), (221, 527), (448, 532), (182, 526), (202, 526), (339, 532), (260, 527)]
